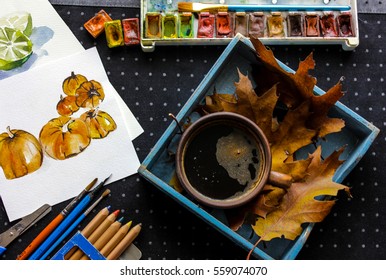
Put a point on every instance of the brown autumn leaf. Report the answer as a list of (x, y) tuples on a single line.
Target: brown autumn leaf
[(268, 200), (300, 204), (296, 88)]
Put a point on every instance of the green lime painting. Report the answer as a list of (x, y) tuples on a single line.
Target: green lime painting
[(20, 42)]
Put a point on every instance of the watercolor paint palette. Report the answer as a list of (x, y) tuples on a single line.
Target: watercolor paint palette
[(168, 22), (159, 166)]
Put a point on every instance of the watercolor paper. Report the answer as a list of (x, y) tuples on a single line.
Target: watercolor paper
[(52, 40), (28, 102)]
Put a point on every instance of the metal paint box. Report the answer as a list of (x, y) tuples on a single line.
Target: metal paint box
[(348, 40), (158, 168)]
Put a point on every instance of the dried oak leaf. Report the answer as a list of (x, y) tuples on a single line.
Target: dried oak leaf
[(296, 88), (258, 109), (268, 200), (301, 204)]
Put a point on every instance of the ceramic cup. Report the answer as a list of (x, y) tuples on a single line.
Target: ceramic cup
[(223, 160)]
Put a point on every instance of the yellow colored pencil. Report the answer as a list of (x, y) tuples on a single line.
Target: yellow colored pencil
[(125, 242)]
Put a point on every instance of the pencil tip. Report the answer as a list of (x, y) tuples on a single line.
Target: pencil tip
[(116, 212), (108, 208), (129, 224), (120, 219)]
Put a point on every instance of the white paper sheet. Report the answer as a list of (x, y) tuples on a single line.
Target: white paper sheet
[(27, 102), (51, 37), (52, 40)]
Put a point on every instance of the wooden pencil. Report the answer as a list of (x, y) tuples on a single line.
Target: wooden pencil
[(105, 237), (91, 226), (124, 243), (115, 239), (97, 233)]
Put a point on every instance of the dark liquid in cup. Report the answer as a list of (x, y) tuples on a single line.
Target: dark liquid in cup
[(221, 161)]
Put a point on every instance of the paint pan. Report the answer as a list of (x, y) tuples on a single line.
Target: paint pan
[(241, 23), (153, 23), (345, 25), (275, 25), (205, 25), (186, 27), (328, 25), (312, 25), (169, 26), (256, 24), (295, 24), (96, 25), (224, 25), (131, 31), (114, 33)]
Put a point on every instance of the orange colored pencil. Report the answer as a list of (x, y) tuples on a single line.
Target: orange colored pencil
[(54, 224)]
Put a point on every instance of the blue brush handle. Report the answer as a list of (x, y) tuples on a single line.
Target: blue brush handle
[(241, 8), (2, 250), (63, 236), (60, 229)]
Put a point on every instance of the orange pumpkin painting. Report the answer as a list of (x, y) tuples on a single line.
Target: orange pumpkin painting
[(72, 83), (67, 105), (89, 94), (20, 153), (64, 137), (99, 122)]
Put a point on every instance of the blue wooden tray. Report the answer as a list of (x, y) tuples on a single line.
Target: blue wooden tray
[(159, 167)]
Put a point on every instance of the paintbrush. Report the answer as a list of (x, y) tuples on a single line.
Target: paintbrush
[(66, 222), (54, 223), (74, 224), (203, 7)]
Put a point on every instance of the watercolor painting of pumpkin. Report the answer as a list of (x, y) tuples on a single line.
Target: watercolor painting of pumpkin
[(79, 121)]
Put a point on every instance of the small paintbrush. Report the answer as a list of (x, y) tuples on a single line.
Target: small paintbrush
[(202, 7)]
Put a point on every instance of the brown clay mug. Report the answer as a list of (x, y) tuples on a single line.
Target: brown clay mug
[(223, 160)]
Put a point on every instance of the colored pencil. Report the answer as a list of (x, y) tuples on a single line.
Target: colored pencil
[(115, 239), (54, 224), (91, 226), (124, 243), (74, 225), (106, 236), (96, 233), (66, 222)]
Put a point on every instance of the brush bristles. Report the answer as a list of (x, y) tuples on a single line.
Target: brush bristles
[(91, 184), (199, 7), (106, 193), (185, 7)]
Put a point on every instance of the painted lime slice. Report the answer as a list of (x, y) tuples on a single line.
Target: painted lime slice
[(15, 48), (19, 20)]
